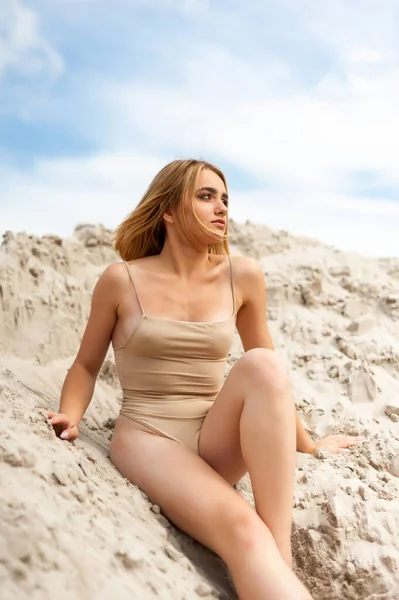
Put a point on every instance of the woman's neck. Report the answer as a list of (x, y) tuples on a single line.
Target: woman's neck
[(183, 259)]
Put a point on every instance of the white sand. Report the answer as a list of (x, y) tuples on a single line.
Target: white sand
[(72, 527)]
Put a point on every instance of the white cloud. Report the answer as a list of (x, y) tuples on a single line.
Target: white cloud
[(22, 48), (365, 55), (307, 137)]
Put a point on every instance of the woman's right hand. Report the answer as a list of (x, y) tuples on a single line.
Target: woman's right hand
[(62, 426)]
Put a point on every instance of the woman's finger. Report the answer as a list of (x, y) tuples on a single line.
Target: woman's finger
[(59, 419), (346, 443), (69, 434), (52, 414)]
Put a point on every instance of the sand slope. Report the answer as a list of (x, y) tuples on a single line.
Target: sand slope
[(72, 527)]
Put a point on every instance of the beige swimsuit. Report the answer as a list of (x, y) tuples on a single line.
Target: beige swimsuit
[(171, 372)]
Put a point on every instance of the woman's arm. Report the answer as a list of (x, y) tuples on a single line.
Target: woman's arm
[(78, 387), (252, 325)]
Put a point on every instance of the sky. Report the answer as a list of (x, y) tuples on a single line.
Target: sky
[(296, 102)]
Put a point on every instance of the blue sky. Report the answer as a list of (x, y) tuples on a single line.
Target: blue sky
[(298, 102)]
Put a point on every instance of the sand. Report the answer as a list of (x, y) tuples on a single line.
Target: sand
[(72, 527)]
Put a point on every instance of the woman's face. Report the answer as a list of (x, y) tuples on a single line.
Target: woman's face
[(210, 205)]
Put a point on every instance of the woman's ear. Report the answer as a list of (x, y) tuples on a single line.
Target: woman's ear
[(167, 216)]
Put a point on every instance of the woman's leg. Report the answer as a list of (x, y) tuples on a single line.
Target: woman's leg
[(201, 503), (251, 427)]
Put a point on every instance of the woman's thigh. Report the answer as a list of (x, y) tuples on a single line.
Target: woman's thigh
[(219, 443), (190, 493)]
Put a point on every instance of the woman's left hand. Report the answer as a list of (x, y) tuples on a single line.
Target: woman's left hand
[(335, 444)]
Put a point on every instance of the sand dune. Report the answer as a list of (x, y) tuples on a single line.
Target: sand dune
[(72, 527)]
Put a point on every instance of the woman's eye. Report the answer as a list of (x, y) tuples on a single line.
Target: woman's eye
[(205, 196)]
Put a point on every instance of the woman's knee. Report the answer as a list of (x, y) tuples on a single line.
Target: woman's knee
[(264, 365), (245, 530)]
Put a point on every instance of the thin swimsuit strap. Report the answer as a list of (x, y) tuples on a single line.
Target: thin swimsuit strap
[(134, 286), (141, 305), (232, 285)]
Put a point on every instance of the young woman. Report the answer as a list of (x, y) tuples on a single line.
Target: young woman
[(183, 435)]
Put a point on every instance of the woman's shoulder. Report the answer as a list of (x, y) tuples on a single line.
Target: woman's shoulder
[(248, 276), (115, 276), (119, 274), (249, 279), (120, 268), (114, 271), (111, 278), (246, 267)]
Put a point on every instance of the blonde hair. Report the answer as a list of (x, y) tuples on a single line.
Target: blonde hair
[(143, 232)]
